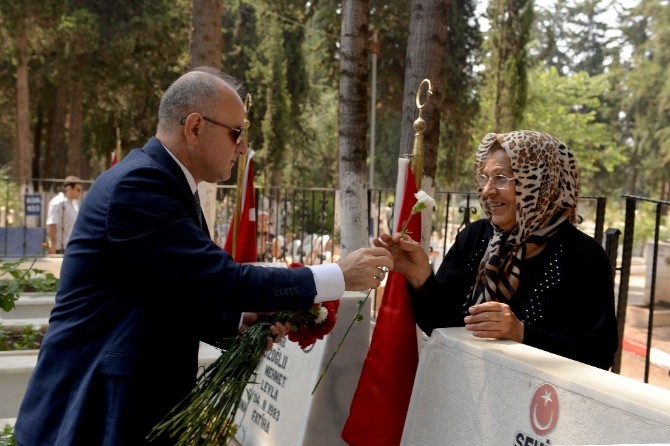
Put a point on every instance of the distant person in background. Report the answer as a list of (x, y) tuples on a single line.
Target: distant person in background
[(525, 273), (268, 244), (62, 213)]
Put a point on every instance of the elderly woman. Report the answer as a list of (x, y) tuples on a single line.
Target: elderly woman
[(525, 273)]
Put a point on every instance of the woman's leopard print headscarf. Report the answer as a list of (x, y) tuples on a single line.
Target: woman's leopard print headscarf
[(546, 181)]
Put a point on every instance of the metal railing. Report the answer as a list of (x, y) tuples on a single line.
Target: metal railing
[(304, 227), (660, 208)]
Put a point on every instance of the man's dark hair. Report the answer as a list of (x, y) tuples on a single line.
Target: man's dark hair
[(71, 181)]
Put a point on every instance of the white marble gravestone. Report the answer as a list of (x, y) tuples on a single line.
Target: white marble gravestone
[(282, 411), (476, 391)]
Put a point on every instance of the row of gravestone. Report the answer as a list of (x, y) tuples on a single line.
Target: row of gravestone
[(31, 309)]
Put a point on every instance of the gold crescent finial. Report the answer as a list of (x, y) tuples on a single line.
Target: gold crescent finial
[(419, 127), (247, 107), (429, 93)]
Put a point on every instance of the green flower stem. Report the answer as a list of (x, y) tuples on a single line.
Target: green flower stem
[(357, 317), (207, 413)]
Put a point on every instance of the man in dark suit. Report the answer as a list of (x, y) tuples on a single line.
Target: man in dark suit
[(142, 282)]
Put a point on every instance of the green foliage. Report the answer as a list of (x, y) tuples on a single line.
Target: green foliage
[(390, 18), (7, 436), (322, 43), (15, 279), (122, 55), (321, 132), (278, 80), (30, 338), (590, 44), (508, 38), (648, 99), (461, 105), (565, 106), (386, 148)]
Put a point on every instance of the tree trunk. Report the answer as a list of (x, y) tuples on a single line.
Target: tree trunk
[(56, 143), (510, 28), (353, 125), (74, 158), (37, 169), (206, 45), (426, 51), (23, 159)]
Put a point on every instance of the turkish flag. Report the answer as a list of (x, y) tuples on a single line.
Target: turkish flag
[(113, 159), (241, 242), (379, 405)]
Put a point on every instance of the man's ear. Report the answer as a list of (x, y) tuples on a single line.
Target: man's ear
[(192, 125)]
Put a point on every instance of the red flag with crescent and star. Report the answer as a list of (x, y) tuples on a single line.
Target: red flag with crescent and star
[(379, 406), (243, 249)]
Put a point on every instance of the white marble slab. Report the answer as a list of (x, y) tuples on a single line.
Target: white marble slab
[(490, 392), (283, 411)]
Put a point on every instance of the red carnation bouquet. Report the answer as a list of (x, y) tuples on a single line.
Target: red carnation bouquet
[(207, 413), (313, 324)]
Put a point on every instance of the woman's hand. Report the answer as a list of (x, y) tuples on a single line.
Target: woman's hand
[(409, 257), (494, 320)]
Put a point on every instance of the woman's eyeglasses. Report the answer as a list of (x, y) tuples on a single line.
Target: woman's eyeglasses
[(237, 132), (498, 181)]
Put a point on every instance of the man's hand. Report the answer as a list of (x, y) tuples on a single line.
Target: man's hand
[(494, 320), (365, 268), (409, 257), (277, 330)]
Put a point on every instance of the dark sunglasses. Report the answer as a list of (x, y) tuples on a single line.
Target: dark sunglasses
[(237, 132)]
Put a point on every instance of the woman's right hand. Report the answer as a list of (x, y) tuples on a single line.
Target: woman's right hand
[(409, 257)]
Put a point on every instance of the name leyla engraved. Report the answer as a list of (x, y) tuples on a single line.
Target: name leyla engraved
[(543, 416), (269, 389)]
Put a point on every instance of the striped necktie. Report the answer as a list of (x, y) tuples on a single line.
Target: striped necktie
[(198, 209)]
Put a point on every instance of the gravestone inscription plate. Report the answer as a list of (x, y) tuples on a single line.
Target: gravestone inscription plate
[(279, 409)]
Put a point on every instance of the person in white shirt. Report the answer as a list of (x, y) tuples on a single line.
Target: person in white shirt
[(63, 209)]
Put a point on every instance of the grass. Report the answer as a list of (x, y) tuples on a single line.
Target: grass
[(16, 279), (30, 338), (7, 436)]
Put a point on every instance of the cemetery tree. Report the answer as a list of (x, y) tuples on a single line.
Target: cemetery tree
[(353, 124), (425, 59), (206, 49), (460, 104), (649, 98), (24, 25), (510, 22), (566, 106)]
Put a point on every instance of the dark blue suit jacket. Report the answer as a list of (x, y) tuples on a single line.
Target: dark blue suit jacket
[(141, 284)]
